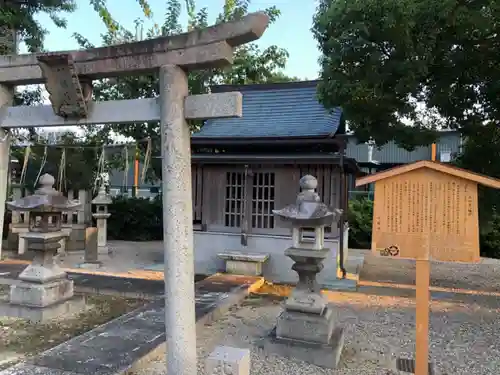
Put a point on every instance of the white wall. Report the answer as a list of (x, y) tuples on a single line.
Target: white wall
[(278, 267)]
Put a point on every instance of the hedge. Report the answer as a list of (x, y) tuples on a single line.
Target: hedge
[(135, 219)]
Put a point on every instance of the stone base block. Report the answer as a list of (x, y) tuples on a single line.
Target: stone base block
[(72, 306), (41, 295), (103, 250), (228, 360), (243, 268), (303, 326), (327, 356)]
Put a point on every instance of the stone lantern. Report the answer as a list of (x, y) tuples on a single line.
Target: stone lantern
[(44, 286), (306, 327), (102, 201)]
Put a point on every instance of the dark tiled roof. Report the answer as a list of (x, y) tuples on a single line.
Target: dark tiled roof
[(275, 110)]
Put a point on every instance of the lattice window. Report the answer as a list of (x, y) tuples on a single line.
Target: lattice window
[(263, 200), (235, 186)]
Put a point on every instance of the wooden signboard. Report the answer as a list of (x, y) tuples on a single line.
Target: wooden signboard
[(426, 211)]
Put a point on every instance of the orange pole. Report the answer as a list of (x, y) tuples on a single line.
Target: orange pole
[(433, 152), (136, 173), (136, 170), (422, 317)]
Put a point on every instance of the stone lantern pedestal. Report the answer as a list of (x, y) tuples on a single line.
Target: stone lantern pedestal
[(102, 201), (44, 283), (306, 328), (44, 291)]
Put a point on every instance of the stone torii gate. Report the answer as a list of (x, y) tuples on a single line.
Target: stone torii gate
[(68, 78)]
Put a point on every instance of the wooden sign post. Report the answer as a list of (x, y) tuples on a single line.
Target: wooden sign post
[(423, 277), (426, 211)]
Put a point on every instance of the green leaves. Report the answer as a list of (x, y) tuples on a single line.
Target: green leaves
[(15, 18), (251, 65), (389, 63), (135, 219), (360, 216), (19, 16)]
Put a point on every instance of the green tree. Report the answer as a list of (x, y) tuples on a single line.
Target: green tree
[(18, 17), (17, 22), (481, 153), (432, 63), (383, 59), (251, 65)]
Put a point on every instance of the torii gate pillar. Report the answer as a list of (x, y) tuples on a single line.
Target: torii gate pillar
[(6, 100), (177, 223)]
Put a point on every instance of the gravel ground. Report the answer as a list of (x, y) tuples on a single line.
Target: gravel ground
[(482, 276), (464, 337)]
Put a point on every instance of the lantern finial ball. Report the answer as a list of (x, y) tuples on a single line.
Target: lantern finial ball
[(308, 182), (47, 180)]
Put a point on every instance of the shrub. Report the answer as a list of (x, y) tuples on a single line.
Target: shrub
[(490, 238), (135, 219), (360, 217)]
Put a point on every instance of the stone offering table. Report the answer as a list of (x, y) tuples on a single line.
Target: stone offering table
[(44, 291), (306, 327)]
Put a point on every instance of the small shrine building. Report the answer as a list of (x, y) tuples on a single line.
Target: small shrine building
[(244, 168)]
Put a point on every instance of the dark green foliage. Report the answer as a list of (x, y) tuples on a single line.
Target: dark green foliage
[(481, 154), (360, 216), (19, 16), (135, 219), (490, 237), (383, 59), (434, 64)]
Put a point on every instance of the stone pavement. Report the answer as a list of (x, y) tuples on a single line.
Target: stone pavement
[(148, 256), (130, 341)]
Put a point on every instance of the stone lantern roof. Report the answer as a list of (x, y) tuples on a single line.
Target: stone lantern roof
[(308, 210), (45, 199)]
